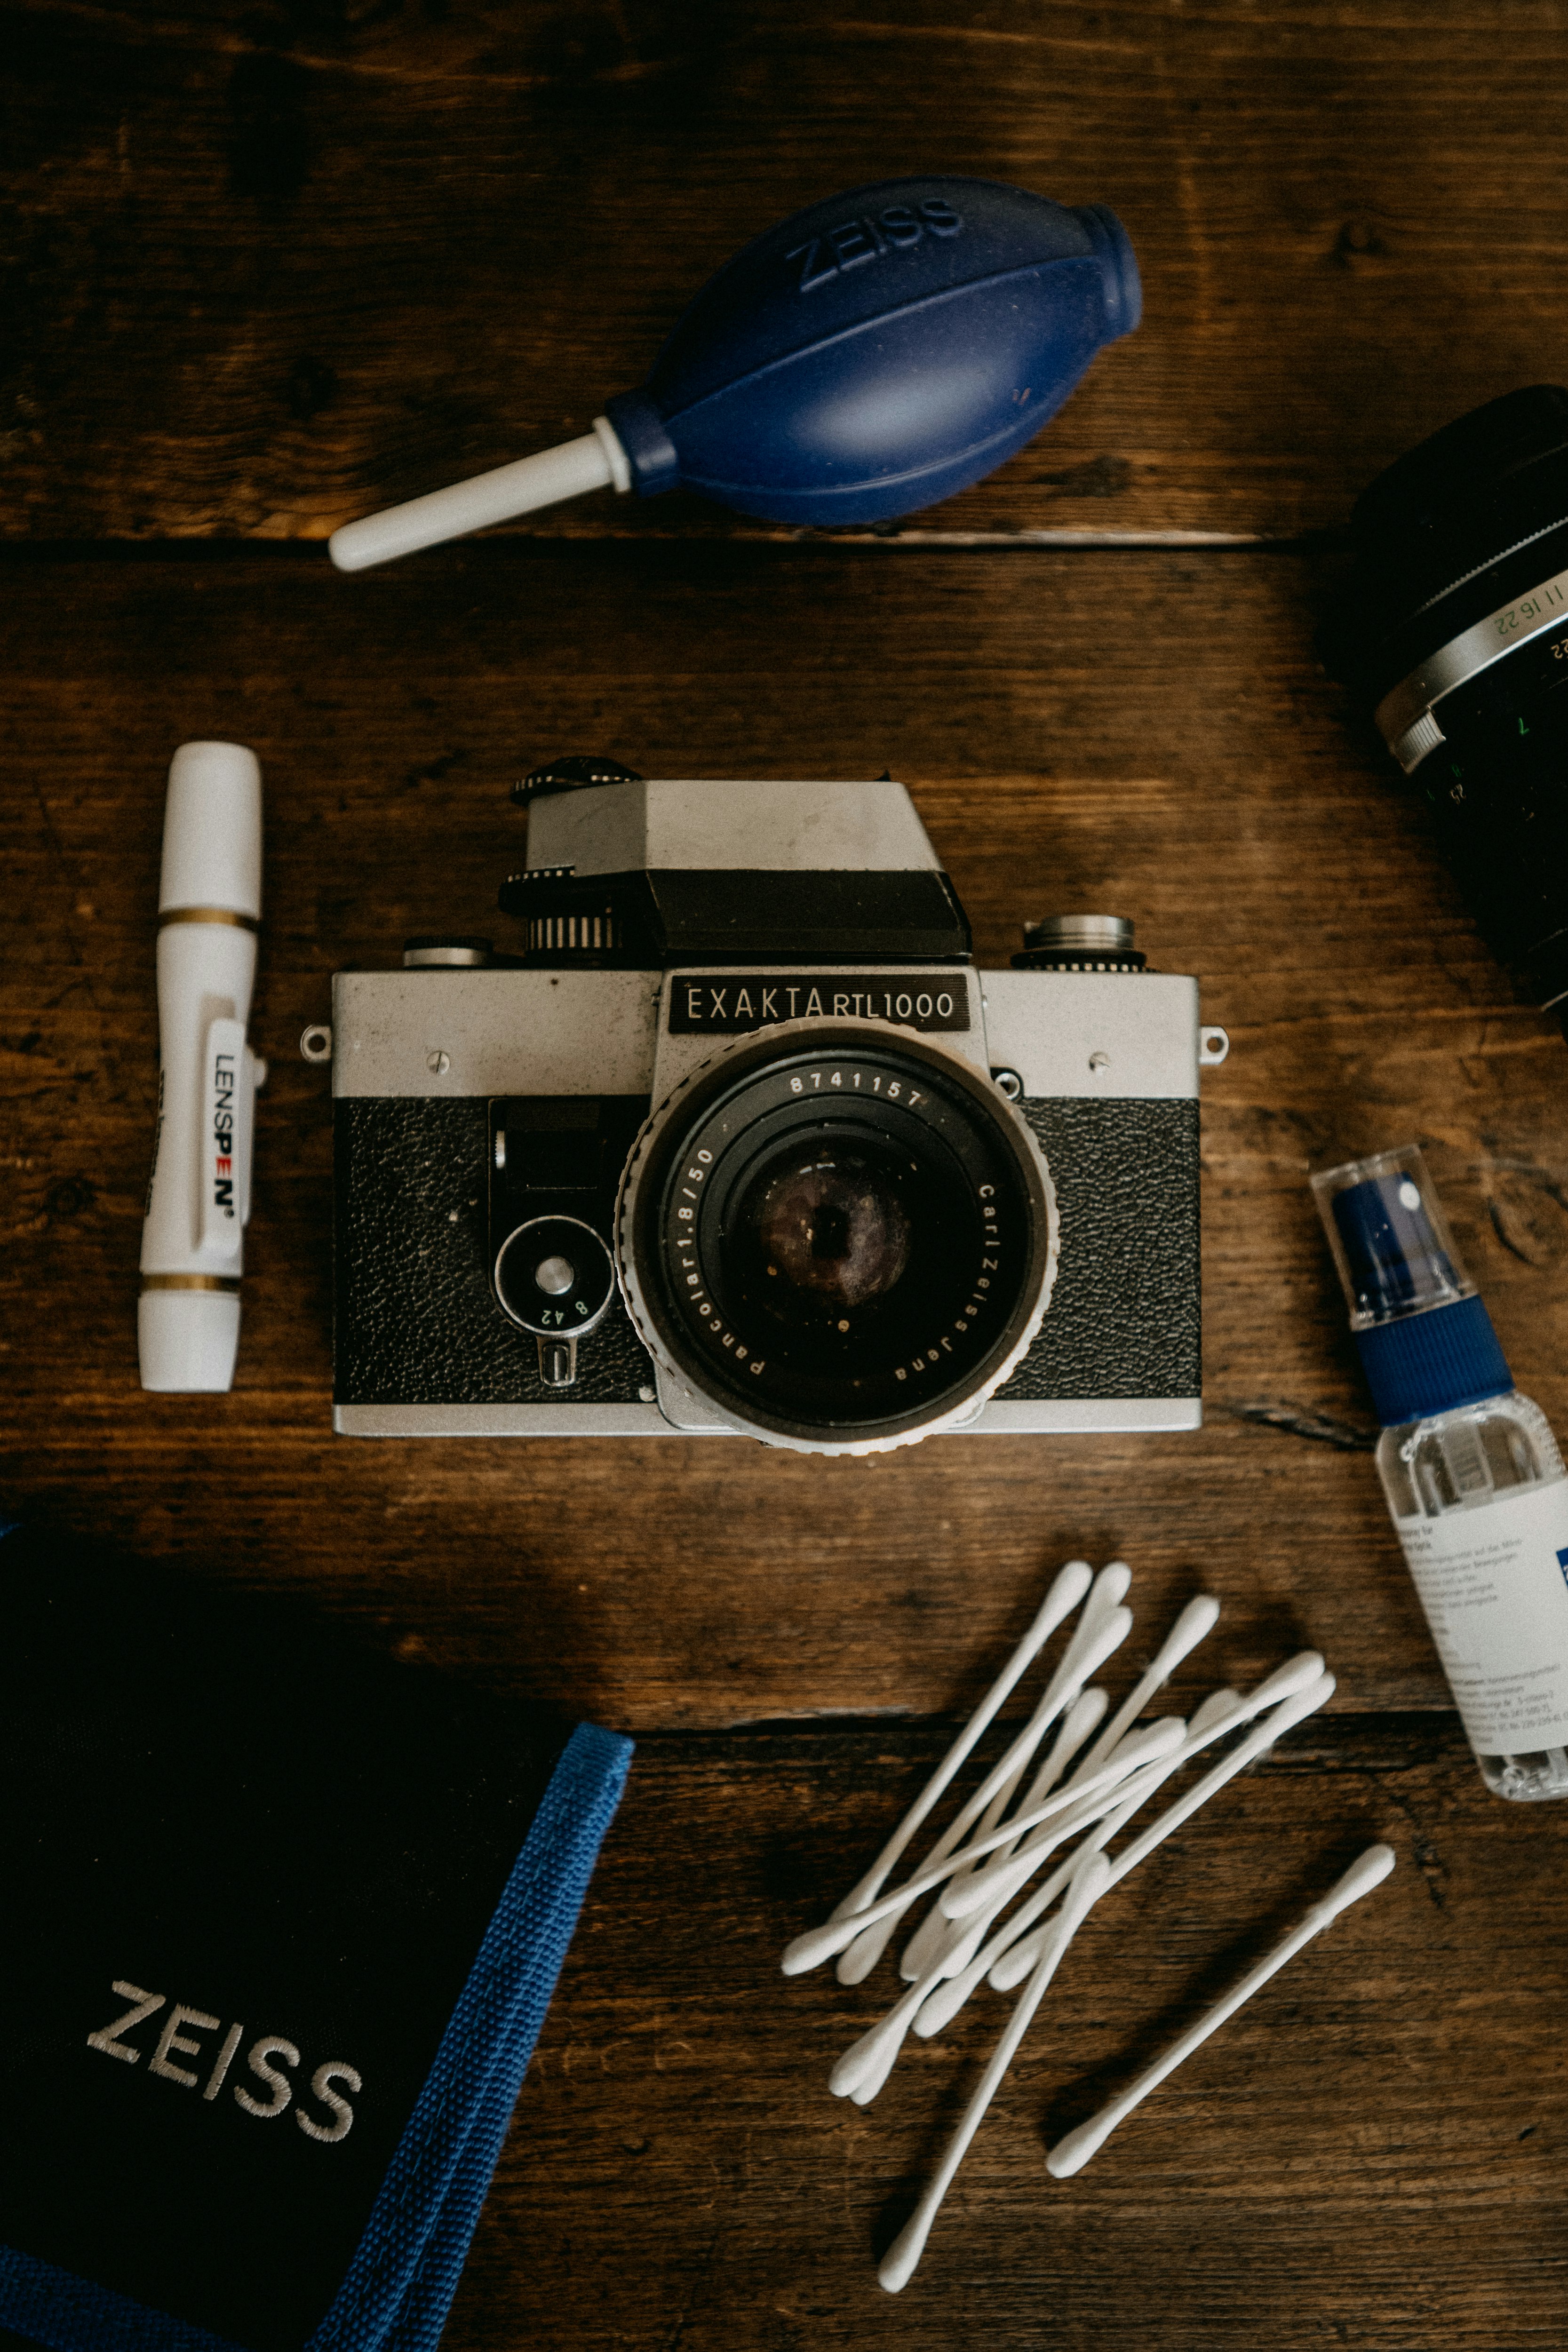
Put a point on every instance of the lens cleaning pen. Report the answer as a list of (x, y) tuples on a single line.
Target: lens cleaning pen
[(198, 1195)]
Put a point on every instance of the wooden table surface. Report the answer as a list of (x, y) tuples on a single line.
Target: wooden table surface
[(268, 266)]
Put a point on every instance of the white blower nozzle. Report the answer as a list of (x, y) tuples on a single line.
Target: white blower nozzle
[(594, 462)]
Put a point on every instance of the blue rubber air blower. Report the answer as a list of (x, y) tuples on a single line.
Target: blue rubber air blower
[(865, 358)]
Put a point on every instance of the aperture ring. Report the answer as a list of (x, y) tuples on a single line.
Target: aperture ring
[(1405, 715)]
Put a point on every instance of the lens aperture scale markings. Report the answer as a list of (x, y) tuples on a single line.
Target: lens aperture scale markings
[(1463, 658)]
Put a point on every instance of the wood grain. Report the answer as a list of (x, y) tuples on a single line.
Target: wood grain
[(1148, 731), (272, 263), (1369, 2154), (267, 264)]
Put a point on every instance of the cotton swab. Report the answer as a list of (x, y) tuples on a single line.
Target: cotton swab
[(1072, 1672), (1195, 1623), (1080, 1722), (1088, 1651), (1110, 1590), (1068, 1589), (1289, 1679), (1092, 1876), (1300, 1698), (1157, 1739), (980, 1892), (898, 2266), (965, 1968), (864, 2092), (871, 1942), (1073, 1582), (873, 2055), (1013, 1952), (865, 2067), (1017, 1962), (1071, 2152), (819, 1944), (1193, 1626), (935, 1936), (964, 1933)]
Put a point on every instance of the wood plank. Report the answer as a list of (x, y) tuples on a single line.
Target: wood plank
[(1076, 731), (269, 267), (1369, 2154)]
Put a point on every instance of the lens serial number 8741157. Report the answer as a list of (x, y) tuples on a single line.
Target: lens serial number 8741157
[(890, 1089)]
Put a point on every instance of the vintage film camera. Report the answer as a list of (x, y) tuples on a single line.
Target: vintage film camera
[(742, 1141)]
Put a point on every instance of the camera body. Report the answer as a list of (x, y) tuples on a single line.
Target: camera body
[(742, 1141)]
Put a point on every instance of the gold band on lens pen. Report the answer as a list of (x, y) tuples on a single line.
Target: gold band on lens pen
[(209, 915), (189, 1282), (1404, 717)]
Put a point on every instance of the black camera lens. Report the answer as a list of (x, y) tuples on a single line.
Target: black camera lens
[(1453, 632), (843, 1238)]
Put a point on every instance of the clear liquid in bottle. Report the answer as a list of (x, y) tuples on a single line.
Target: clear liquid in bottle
[(1468, 1468), (1475, 1481)]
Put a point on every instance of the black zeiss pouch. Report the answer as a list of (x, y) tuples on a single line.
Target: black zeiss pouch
[(282, 1919)]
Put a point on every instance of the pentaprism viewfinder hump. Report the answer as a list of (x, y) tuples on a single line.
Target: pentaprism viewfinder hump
[(868, 356)]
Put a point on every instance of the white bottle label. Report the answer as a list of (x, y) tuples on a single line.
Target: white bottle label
[(1494, 1584)]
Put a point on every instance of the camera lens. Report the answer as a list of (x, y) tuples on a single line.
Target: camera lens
[(842, 1236), (1453, 631)]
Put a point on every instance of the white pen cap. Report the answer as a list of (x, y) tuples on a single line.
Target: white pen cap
[(212, 831), (188, 1339)]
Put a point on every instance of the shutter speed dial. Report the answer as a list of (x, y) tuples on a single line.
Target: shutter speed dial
[(555, 1278)]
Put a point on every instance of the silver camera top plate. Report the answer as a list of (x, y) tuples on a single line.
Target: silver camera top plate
[(1123, 1037)]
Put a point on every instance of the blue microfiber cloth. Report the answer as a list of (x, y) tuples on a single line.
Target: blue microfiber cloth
[(284, 1919)]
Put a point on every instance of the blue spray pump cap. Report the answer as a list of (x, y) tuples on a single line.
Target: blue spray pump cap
[(868, 356), (1424, 1338)]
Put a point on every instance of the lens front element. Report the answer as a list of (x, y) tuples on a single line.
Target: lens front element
[(842, 1235), (831, 1226)]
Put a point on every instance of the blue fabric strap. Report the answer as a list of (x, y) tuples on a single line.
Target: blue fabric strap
[(400, 2285)]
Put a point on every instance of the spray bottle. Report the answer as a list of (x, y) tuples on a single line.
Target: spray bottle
[(1476, 1485)]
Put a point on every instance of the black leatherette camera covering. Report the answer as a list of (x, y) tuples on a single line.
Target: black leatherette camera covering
[(416, 1322), (1124, 1318)]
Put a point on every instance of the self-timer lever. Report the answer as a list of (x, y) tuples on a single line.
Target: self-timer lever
[(866, 357)]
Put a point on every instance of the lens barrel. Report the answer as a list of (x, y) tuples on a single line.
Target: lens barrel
[(1453, 633), (840, 1233)]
